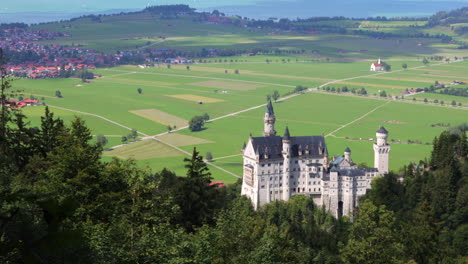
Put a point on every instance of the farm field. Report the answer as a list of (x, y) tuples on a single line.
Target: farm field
[(171, 94)]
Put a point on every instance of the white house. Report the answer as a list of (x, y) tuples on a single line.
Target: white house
[(377, 66)]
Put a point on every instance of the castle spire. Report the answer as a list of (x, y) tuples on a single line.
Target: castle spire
[(286, 136), (269, 121), (269, 108)]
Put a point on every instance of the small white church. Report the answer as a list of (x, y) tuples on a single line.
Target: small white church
[(276, 168), (377, 66)]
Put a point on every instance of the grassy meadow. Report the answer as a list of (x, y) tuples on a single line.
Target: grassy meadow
[(173, 95)]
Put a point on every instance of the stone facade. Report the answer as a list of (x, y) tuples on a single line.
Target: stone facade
[(276, 168)]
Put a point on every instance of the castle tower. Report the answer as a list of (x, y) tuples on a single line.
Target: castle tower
[(286, 163), (381, 151), (379, 61), (347, 154), (269, 121)]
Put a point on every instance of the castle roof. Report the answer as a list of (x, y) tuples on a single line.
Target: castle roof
[(272, 146), (347, 150), (269, 108), (382, 130), (286, 133)]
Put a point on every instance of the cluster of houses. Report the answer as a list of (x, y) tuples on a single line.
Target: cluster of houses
[(32, 59), (12, 103)]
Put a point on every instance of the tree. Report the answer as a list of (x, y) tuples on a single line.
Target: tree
[(388, 67), (194, 195), (275, 95), (196, 123), (139, 90), (133, 134), (169, 128), (101, 140), (268, 97), (454, 103), (425, 100), (383, 93), (124, 139), (209, 156), (188, 68), (168, 66), (404, 66), (236, 71), (373, 238), (425, 61), (58, 93), (206, 117)]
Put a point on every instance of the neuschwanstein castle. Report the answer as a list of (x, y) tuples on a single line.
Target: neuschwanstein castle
[(276, 168)]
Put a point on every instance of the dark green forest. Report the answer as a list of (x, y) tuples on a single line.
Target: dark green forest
[(60, 203)]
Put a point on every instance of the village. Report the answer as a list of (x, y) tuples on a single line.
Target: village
[(30, 59)]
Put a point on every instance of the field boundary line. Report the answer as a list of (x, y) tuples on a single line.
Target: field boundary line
[(226, 157), (357, 119), (98, 116), (208, 78), (189, 154)]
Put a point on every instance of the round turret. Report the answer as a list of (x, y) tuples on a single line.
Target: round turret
[(347, 154), (382, 135), (269, 121)]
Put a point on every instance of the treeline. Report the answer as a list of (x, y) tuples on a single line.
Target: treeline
[(170, 9), (450, 91), (445, 18), (13, 25)]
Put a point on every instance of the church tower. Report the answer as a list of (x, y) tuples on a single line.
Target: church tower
[(381, 151), (269, 121)]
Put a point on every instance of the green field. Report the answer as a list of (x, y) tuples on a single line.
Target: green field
[(174, 92), (171, 96)]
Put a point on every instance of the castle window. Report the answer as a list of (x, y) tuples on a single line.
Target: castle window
[(269, 164), (270, 178), (314, 189), (295, 161), (309, 189), (303, 189), (281, 185), (263, 165), (263, 187), (294, 169), (319, 189), (281, 164)]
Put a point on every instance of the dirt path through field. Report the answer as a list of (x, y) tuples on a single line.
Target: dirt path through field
[(357, 119)]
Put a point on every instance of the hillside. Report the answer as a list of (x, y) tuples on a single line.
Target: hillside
[(191, 31)]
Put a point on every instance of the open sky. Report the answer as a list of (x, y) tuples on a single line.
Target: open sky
[(31, 10)]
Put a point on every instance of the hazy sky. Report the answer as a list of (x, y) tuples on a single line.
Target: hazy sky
[(98, 5)]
